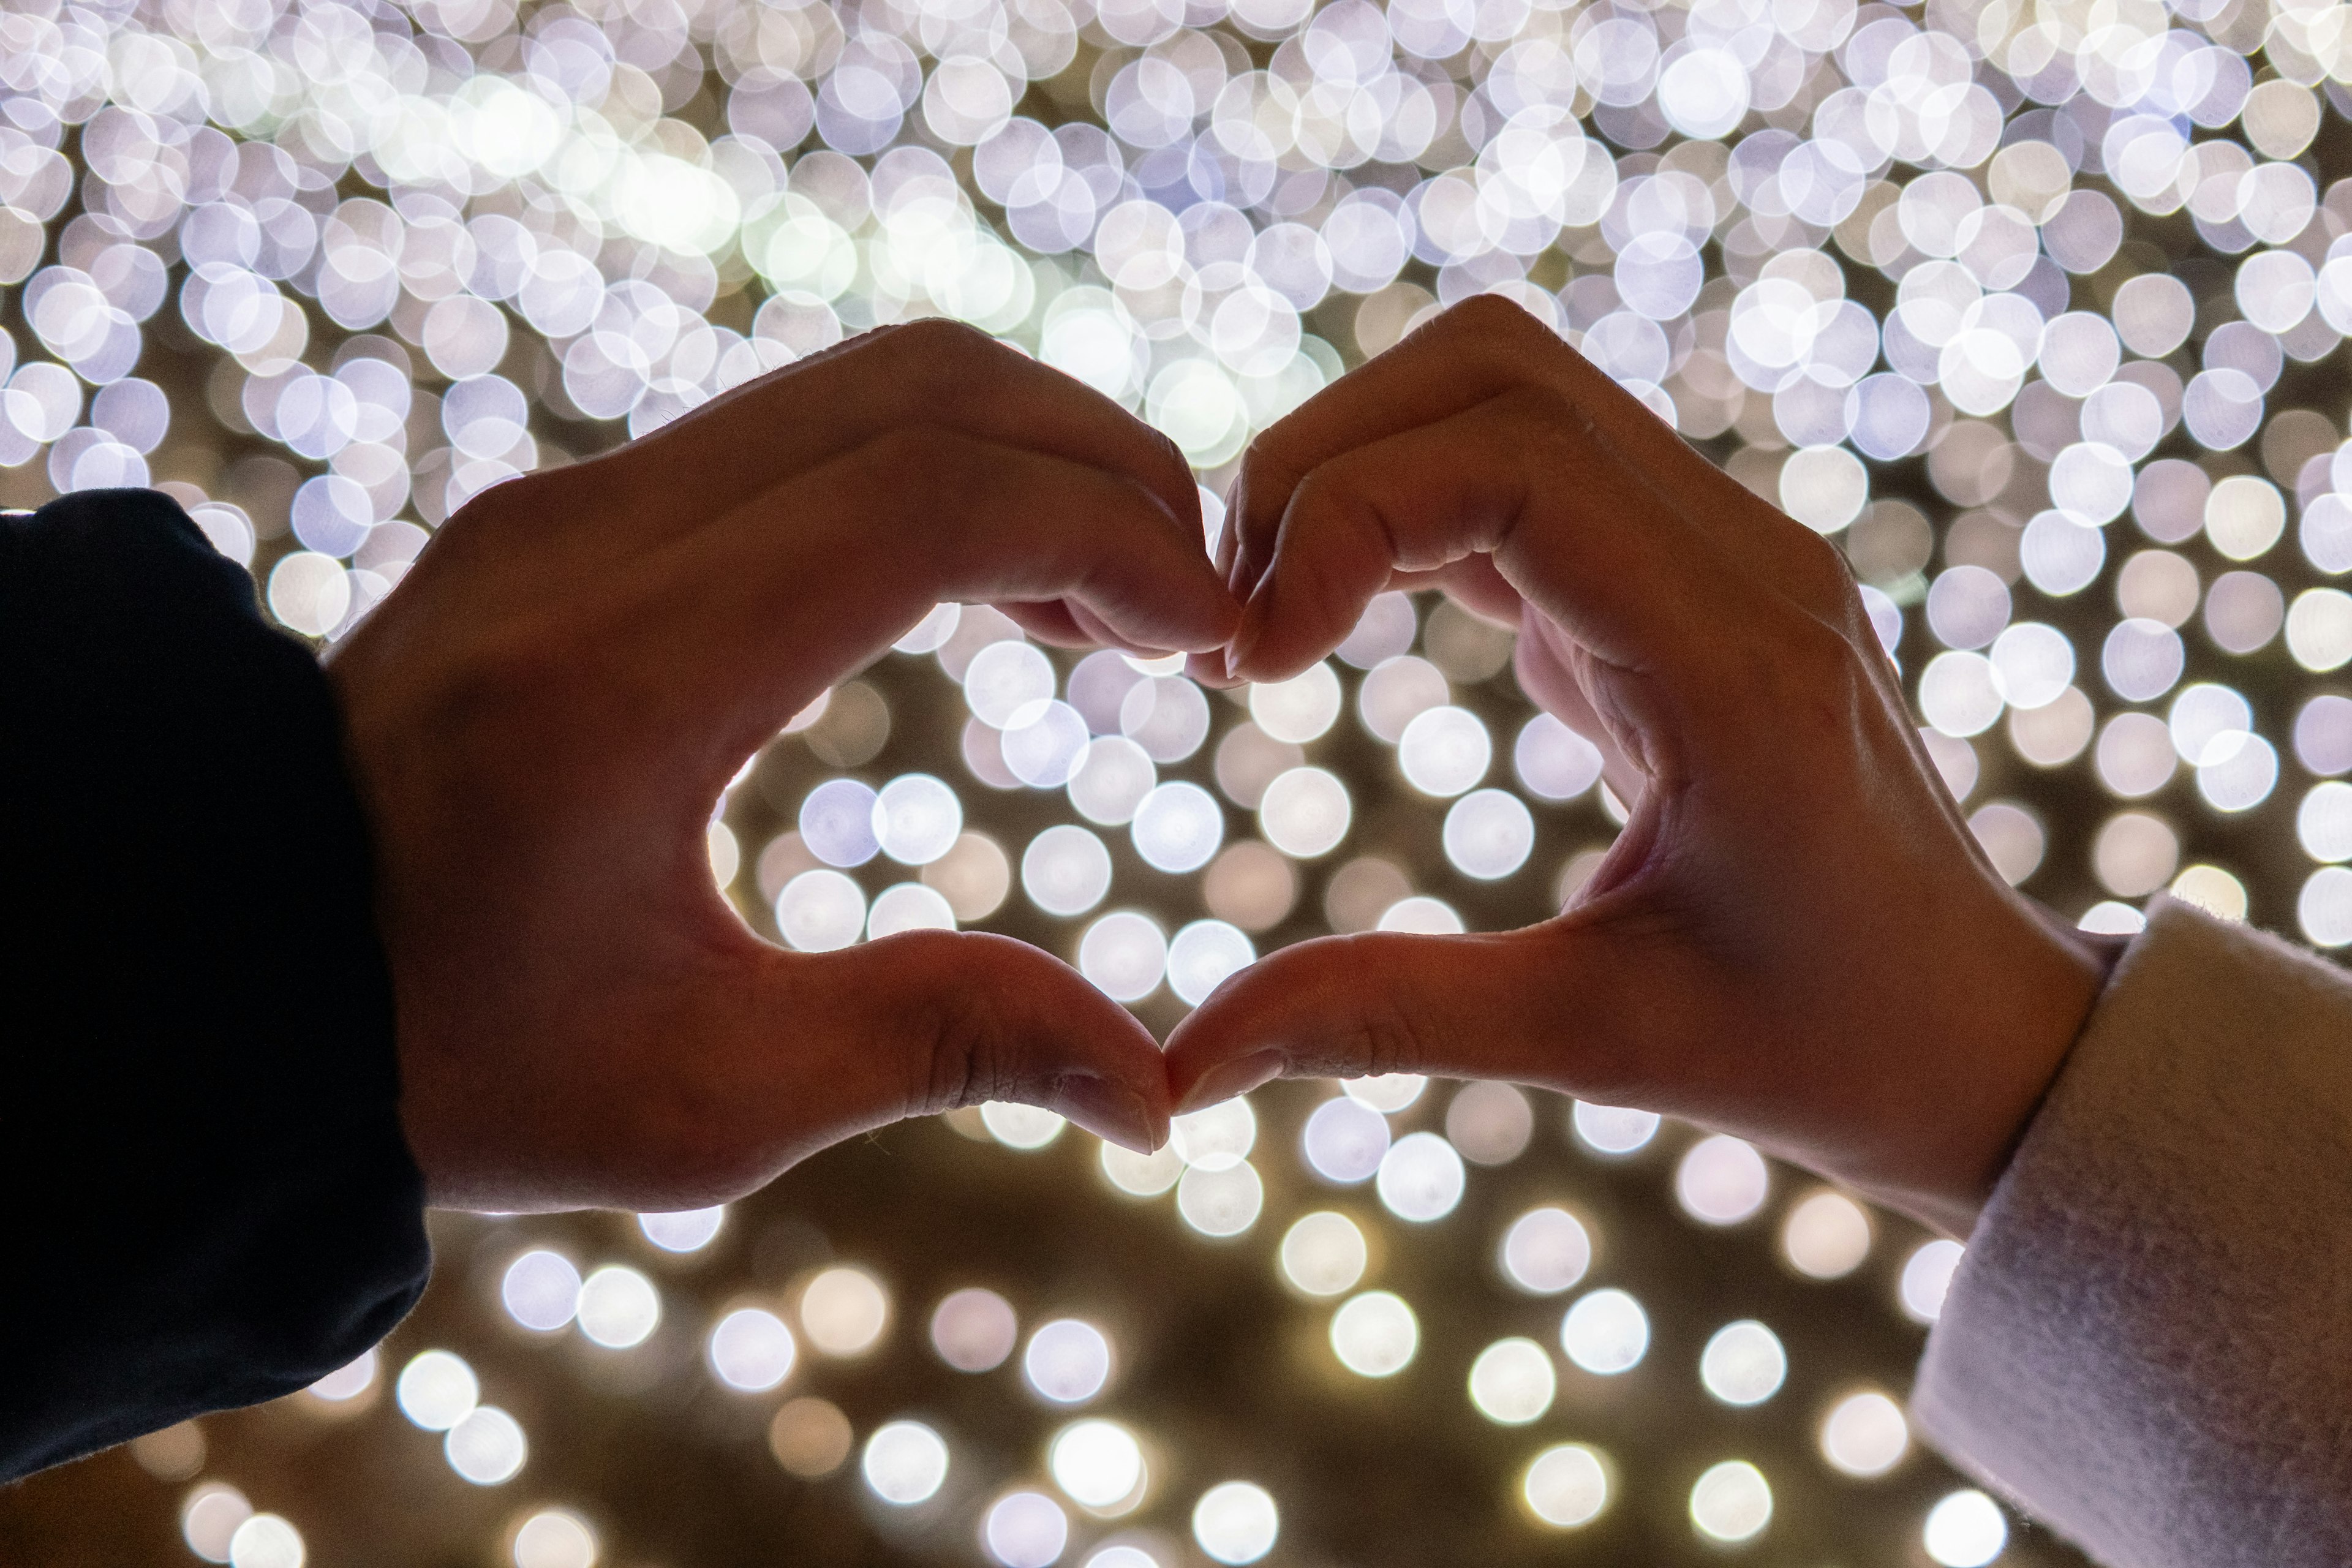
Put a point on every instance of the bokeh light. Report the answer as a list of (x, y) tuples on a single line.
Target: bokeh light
[(2040, 324)]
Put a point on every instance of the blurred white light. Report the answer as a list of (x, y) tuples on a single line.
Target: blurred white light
[(1025, 1529), (1203, 956), (1966, 1529), (973, 1329), (1421, 916), (1387, 1093), (1865, 1434), (905, 1462), (1125, 954), (349, 1380), (1065, 870), (1605, 1332), (1112, 780), (1178, 827), (1143, 1175), (1567, 1486), (1743, 1364), (1722, 1180), (540, 1290), (1004, 679), (209, 1517), (1167, 716), (265, 1540), (1221, 1202), (2323, 907), (1553, 761), (930, 634), (1546, 1251), (1236, 1521), (1445, 751), (1323, 1254), (1826, 1236), (1488, 834), (1489, 1124), (1067, 1361), (1049, 750), (1218, 1138), (1305, 812), (1375, 1334), (1926, 1276), (917, 819), (436, 1390), (844, 1312), (1731, 1501), (1099, 1463), (1298, 709), (909, 906), (1612, 1130), (1385, 629), (1345, 1140), (1512, 1381), (487, 1447), (1420, 1177), (751, 1348), (1019, 1126), (820, 911), (683, 1230), (1398, 690), (555, 1538), (618, 1307), (836, 823)]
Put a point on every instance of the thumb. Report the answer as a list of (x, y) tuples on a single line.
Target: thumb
[(1538, 1006), (928, 1021)]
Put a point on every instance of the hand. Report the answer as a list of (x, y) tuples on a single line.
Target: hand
[(1795, 938), (542, 717)]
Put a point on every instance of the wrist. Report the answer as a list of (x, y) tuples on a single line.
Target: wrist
[(2031, 1001)]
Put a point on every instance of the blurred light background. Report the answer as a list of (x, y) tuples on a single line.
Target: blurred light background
[(2034, 307)]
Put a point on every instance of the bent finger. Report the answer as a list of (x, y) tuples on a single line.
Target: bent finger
[(792, 420), (1479, 350), (1573, 529), (809, 580)]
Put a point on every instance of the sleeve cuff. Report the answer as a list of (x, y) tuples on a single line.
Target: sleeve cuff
[(214, 1203), (2145, 1345)]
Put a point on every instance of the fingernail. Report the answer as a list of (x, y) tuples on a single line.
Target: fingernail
[(1246, 639), (1115, 1112), (1227, 1079)]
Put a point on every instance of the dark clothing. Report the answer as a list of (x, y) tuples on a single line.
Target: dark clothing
[(209, 1200)]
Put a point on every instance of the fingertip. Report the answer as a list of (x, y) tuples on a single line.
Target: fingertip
[(1209, 669), (1228, 1079), (1117, 1112)]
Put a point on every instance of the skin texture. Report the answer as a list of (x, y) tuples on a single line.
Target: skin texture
[(1796, 938), (543, 715)]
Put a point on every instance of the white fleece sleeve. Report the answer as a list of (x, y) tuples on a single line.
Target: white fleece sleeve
[(2148, 1344)]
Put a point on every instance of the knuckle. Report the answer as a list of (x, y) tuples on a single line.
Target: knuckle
[(1487, 310), (1494, 315), (1546, 412), (1815, 680), (943, 338), (1820, 579), (1388, 1038), (940, 358), (924, 466), (967, 1059)]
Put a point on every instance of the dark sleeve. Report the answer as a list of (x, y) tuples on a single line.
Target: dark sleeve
[(209, 1199)]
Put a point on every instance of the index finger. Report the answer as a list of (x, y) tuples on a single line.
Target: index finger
[(1480, 348), (933, 372)]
